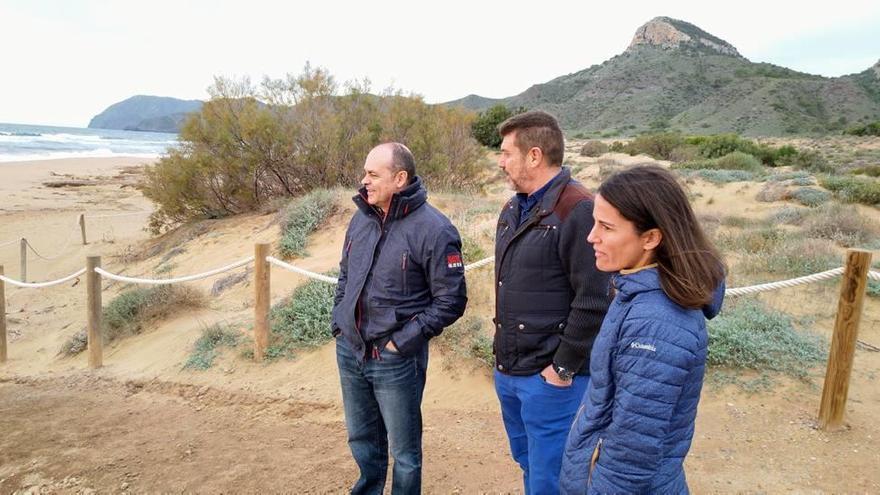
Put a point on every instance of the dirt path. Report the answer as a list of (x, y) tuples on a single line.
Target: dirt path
[(78, 434)]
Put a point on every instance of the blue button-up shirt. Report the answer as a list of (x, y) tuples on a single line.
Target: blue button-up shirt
[(528, 201)]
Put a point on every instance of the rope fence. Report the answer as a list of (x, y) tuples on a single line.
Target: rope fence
[(856, 274)]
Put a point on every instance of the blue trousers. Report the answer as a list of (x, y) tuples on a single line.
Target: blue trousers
[(382, 400), (537, 416)]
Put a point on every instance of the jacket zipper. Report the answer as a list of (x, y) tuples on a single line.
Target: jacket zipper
[(403, 271), (593, 460)]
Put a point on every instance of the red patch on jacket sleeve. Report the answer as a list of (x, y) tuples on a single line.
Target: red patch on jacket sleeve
[(453, 260)]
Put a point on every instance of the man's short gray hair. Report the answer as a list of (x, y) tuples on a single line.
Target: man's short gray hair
[(403, 159)]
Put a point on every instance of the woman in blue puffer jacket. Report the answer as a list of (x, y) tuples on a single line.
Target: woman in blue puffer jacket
[(636, 422)]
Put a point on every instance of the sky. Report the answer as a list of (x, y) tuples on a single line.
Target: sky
[(63, 62)]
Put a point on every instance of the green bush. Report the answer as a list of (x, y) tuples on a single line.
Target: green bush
[(659, 146), (872, 129), (485, 127), (617, 147), (301, 320), (749, 335), (811, 197), (812, 161), (737, 160), (248, 146), (205, 347), (873, 288), (853, 189), (719, 176), (869, 170), (302, 217)]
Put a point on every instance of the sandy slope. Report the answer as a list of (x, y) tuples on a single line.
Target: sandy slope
[(143, 424)]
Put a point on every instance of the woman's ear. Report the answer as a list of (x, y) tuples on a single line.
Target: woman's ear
[(651, 239)]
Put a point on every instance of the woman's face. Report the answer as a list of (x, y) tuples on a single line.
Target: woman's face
[(617, 243)]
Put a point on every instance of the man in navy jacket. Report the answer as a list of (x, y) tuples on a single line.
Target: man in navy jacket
[(401, 282), (549, 297)]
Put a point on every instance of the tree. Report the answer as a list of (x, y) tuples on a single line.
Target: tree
[(485, 128)]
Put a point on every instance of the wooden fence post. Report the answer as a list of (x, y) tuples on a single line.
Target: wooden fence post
[(82, 226), (93, 287), (843, 342), (261, 303), (23, 257), (2, 318)]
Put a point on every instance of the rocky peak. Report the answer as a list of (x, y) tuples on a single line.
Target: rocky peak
[(668, 33), (876, 68)]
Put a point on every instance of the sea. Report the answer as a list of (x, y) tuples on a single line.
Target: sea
[(21, 142)]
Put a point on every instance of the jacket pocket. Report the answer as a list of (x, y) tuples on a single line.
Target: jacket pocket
[(594, 459), (404, 261)]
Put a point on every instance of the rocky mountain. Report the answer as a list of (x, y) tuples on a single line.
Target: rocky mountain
[(675, 76), (146, 113)]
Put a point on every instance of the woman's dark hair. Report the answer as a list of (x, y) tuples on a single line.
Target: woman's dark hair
[(690, 267)]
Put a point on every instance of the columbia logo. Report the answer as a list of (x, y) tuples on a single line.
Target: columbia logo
[(644, 347)]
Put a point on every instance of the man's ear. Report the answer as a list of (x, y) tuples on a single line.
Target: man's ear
[(401, 179), (651, 238), (534, 156)]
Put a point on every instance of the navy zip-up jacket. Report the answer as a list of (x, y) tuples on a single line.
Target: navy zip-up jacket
[(636, 422), (401, 276)]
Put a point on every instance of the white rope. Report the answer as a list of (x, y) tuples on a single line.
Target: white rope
[(9, 242), (478, 264), (754, 289), (42, 284), (61, 251), (188, 278), (289, 267), (874, 275)]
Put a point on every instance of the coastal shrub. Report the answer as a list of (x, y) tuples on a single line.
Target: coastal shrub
[(719, 176), (809, 196), (485, 126), (467, 338), (301, 320), (790, 256), (302, 217), (204, 349), (843, 225), (131, 310), (594, 148), (737, 160), (658, 146), (249, 145), (788, 215), (773, 191), (873, 288), (812, 161), (750, 335), (869, 170), (796, 177), (853, 189), (872, 129), (617, 147)]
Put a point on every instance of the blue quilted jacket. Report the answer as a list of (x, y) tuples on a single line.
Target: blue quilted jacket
[(636, 422)]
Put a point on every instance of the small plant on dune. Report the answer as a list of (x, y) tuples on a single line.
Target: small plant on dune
[(205, 347), (301, 320), (873, 288), (131, 310), (792, 257), (467, 338), (302, 217), (810, 196), (749, 335), (788, 215)]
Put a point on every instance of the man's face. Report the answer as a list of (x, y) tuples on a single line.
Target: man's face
[(380, 179), (513, 163)]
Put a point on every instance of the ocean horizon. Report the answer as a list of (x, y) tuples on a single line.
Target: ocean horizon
[(28, 142)]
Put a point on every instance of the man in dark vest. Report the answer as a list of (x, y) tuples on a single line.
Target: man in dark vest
[(401, 282), (549, 297)]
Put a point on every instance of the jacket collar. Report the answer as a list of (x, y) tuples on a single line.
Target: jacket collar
[(548, 201), (402, 204), (629, 284)]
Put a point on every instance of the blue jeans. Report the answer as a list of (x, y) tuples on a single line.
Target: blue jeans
[(537, 416), (382, 399)]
